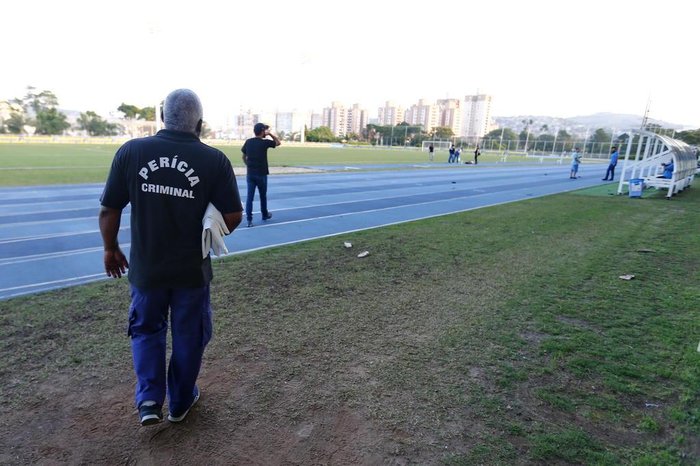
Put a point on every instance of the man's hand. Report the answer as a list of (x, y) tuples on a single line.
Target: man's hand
[(115, 263)]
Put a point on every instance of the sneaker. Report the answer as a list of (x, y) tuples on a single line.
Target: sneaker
[(150, 413), (268, 216), (250, 223), (172, 417)]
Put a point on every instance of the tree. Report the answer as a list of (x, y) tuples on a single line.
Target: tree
[(15, 124), (498, 138), (601, 135), (148, 114), (546, 142), (689, 137), (132, 112), (51, 122), (95, 125), (525, 133), (206, 130), (442, 132), (320, 134), (37, 101)]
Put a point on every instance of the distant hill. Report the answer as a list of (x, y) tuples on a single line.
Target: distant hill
[(578, 125)]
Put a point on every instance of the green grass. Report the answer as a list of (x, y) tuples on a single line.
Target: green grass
[(498, 336), (45, 164)]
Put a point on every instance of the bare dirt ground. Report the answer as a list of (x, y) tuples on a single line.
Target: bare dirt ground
[(82, 422)]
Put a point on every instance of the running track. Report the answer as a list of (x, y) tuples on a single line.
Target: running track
[(49, 236)]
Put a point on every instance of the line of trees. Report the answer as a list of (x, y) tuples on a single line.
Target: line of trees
[(37, 113)]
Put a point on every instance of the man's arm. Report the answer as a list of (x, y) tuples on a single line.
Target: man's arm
[(114, 259), (274, 138), (233, 220)]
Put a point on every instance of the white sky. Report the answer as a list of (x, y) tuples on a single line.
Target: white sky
[(557, 58)]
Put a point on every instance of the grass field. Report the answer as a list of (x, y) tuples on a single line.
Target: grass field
[(45, 164), (496, 336)]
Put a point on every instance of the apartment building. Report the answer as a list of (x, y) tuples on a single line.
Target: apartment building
[(289, 122), (335, 117), (343, 121), (315, 120), (357, 119), (476, 116), (450, 115), (391, 114), (423, 113)]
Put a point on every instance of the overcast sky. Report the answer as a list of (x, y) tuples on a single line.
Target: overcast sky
[(556, 58)]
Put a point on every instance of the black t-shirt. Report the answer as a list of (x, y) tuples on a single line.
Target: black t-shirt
[(255, 150), (169, 179)]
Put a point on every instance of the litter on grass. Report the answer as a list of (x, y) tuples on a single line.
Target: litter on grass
[(347, 244), (363, 254), (627, 277)]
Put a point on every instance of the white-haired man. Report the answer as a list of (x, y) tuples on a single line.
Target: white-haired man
[(169, 179)]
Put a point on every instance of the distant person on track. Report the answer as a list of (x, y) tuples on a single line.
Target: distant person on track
[(450, 159), (431, 151), (170, 179), (477, 153), (255, 159), (611, 166), (575, 161)]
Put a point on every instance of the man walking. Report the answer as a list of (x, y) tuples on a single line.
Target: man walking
[(575, 161), (169, 179), (255, 158), (611, 166), (431, 150)]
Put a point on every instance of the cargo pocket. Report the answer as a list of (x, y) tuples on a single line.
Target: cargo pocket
[(132, 320)]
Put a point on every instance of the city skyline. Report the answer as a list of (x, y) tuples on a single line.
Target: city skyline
[(538, 58)]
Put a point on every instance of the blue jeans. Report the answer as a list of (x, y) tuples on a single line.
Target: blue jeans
[(253, 181), (610, 172), (191, 323)]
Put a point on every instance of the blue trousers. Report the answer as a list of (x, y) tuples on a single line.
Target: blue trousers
[(253, 181), (191, 330), (610, 173)]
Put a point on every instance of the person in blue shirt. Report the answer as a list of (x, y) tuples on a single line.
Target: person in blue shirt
[(668, 170), (610, 174)]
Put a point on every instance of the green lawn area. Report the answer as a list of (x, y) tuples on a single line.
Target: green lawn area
[(496, 336), (45, 164)]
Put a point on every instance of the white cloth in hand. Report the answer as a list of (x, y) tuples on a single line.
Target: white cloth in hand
[(213, 232)]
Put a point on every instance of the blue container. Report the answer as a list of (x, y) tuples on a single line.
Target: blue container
[(636, 187)]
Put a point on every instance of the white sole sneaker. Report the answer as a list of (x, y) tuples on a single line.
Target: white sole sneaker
[(172, 418)]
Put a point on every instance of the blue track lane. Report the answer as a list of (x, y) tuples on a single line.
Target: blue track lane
[(49, 236)]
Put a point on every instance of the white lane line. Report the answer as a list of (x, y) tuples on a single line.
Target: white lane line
[(398, 222), (38, 257), (41, 222), (101, 167), (48, 203), (52, 255), (53, 282), (50, 211), (18, 239)]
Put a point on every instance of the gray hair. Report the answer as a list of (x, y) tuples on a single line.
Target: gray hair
[(182, 111)]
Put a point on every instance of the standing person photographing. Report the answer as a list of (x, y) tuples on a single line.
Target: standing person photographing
[(255, 159)]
